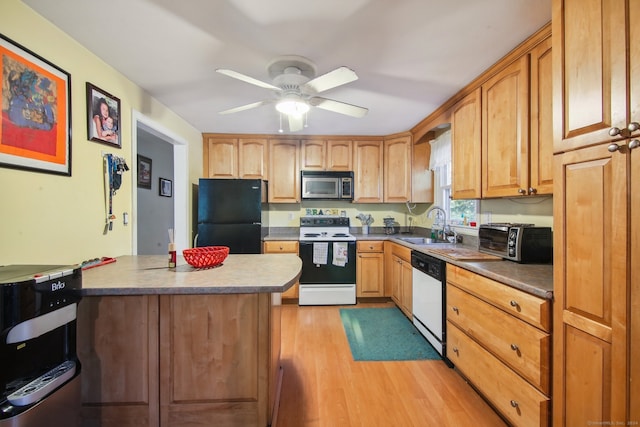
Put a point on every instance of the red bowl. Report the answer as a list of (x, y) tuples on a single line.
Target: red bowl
[(206, 256)]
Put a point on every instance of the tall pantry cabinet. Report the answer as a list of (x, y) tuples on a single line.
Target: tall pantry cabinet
[(596, 72)]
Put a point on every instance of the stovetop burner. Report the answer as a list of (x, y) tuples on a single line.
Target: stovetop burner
[(325, 228)]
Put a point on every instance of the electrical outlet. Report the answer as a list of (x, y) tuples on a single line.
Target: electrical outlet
[(291, 216)]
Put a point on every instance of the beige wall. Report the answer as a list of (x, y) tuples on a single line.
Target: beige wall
[(53, 219)]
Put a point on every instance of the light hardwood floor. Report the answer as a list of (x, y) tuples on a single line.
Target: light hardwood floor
[(324, 386)]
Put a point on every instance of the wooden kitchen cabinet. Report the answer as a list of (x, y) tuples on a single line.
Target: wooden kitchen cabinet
[(370, 268), (117, 342), (397, 169), (179, 360), (592, 62), (466, 147), (399, 276), (320, 155), (505, 131), (541, 133), (500, 339), (220, 157), (368, 171), (253, 158), (229, 374), (229, 157), (596, 89), (283, 247), (284, 171), (592, 286)]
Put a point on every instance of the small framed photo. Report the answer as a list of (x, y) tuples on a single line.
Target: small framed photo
[(103, 116), (166, 187), (35, 121), (144, 172)]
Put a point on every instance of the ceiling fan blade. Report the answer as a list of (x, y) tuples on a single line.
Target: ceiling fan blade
[(245, 78), (296, 123), (339, 107), (245, 107), (335, 78)]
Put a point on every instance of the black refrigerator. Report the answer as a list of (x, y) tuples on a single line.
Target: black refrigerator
[(229, 214)]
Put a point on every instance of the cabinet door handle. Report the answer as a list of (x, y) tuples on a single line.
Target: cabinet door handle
[(633, 126), (455, 350), (532, 190), (614, 131), (514, 403), (613, 148), (522, 191), (634, 144), (455, 309)]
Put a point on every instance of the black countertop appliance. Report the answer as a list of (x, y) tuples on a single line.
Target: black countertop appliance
[(39, 373)]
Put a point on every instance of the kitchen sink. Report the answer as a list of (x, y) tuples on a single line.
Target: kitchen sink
[(421, 240)]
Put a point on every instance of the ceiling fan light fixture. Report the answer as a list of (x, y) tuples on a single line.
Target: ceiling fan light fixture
[(292, 107)]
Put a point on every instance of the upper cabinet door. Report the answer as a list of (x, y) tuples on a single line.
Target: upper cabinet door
[(313, 153), (397, 170), (466, 147), (339, 155), (284, 172), (505, 132), (221, 158), (589, 70), (367, 171), (252, 158), (541, 159)]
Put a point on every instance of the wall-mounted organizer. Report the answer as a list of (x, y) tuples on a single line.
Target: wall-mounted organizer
[(113, 167)]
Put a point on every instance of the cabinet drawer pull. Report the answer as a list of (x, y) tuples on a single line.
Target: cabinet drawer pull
[(633, 126), (634, 144), (513, 303), (613, 147), (455, 350), (514, 403), (514, 347), (614, 131), (455, 309)]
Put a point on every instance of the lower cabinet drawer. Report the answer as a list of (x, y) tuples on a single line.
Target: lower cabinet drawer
[(524, 348), (516, 399)]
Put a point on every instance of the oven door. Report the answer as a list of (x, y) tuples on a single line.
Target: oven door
[(328, 273)]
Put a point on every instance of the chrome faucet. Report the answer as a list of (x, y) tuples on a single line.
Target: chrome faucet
[(439, 210)]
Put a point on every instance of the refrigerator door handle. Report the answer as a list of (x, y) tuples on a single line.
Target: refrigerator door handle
[(195, 241), (257, 223)]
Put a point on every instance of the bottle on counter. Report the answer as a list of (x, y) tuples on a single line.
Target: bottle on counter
[(172, 255)]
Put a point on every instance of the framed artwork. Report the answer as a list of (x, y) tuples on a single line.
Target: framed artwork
[(144, 172), (166, 187), (103, 116), (35, 125)]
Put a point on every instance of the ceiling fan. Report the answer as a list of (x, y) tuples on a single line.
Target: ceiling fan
[(296, 86)]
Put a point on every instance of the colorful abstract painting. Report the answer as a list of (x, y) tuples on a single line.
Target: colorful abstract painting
[(36, 112)]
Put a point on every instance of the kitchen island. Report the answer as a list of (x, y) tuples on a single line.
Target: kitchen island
[(163, 347)]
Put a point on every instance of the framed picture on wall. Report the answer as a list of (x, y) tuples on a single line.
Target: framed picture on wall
[(35, 124), (144, 172), (103, 116), (166, 187)]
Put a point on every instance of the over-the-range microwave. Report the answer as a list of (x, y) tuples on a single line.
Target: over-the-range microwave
[(326, 185)]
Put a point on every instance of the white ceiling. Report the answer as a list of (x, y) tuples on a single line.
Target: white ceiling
[(410, 55)]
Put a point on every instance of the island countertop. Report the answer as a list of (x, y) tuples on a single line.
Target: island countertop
[(149, 275)]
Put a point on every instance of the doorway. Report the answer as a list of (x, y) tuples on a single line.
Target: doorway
[(163, 204)]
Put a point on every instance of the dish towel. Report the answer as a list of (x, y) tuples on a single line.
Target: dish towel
[(320, 250), (340, 254)]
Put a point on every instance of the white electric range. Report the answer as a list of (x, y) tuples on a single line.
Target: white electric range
[(328, 253)]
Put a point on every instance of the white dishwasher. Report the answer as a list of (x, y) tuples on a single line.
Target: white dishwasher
[(429, 299)]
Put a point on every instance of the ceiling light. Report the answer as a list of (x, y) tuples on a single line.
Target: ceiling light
[(292, 106)]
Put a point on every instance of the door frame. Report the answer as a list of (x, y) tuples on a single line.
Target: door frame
[(181, 188)]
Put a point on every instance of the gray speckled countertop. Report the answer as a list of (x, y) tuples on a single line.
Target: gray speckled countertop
[(535, 279), (148, 274)]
